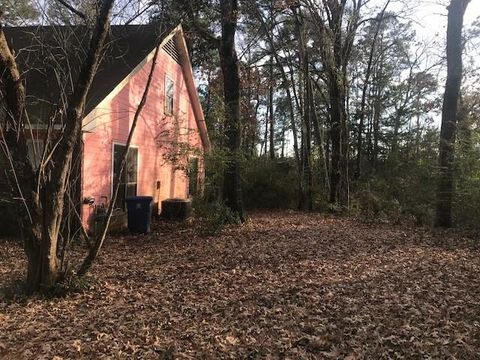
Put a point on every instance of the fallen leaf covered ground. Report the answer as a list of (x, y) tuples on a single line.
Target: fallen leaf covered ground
[(285, 285)]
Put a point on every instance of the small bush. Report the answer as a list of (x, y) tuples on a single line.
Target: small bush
[(374, 202), (421, 214), (72, 284), (270, 184), (467, 200), (213, 216)]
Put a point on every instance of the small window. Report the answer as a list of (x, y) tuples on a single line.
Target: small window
[(128, 181), (193, 176), (169, 93), (35, 150)]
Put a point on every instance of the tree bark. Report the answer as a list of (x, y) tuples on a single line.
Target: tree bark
[(232, 192), (306, 196), (271, 118), (264, 149), (336, 39), (286, 85), (44, 196), (456, 11), (21, 173), (56, 187), (363, 100), (338, 171)]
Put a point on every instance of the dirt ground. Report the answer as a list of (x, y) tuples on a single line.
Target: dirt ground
[(286, 285)]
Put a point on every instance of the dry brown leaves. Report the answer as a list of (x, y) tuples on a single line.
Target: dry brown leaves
[(285, 285)]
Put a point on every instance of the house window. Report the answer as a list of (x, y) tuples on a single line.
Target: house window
[(169, 93), (128, 180), (35, 150), (192, 176)]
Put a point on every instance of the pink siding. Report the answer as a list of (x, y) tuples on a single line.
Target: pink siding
[(154, 137)]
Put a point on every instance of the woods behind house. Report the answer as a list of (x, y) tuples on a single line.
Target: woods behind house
[(335, 106)]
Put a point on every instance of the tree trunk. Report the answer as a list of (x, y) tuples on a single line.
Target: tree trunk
[(232, 192), (21, 173), (338, 138), (339, 132), (249, 120), (208, 96), (336, 56), (363, 100), (306, 196), (271, 120), (456, 11), (285, 81), (265, 133), (376, 117), (43, 196)]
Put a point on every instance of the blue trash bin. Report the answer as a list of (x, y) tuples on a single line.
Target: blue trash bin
[(139, 209)]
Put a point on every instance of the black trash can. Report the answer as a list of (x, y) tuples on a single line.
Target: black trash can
[(139, 209)]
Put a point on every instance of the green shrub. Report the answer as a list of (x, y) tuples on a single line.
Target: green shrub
[(270, 184), (211, 217), (71, 284), (215, 161), (467, 202), (394, 200)]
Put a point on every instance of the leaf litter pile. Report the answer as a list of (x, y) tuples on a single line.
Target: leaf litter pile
[(285, 285)]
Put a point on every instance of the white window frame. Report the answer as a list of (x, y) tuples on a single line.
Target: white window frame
[(113, 165)]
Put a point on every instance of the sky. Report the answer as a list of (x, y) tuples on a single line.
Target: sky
[(430, 22), (430, 16)]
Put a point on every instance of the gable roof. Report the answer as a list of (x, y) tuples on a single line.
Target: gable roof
[(50, 57)]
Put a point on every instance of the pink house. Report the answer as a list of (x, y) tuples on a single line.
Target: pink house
[(165, 160), (171, 127)]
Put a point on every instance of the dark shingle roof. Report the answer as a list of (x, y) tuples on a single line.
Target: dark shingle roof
[(50, 57)]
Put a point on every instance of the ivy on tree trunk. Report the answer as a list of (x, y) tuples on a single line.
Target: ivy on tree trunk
[(445, 188), (232, 192)]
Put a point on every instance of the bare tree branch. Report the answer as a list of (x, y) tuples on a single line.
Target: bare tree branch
[(72, 9)]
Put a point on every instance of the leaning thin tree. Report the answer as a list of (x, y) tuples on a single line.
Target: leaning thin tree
[(98, 243), (42, 191), (456, 11)]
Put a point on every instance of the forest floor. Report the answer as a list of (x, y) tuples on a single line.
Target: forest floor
[(285, 285)]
